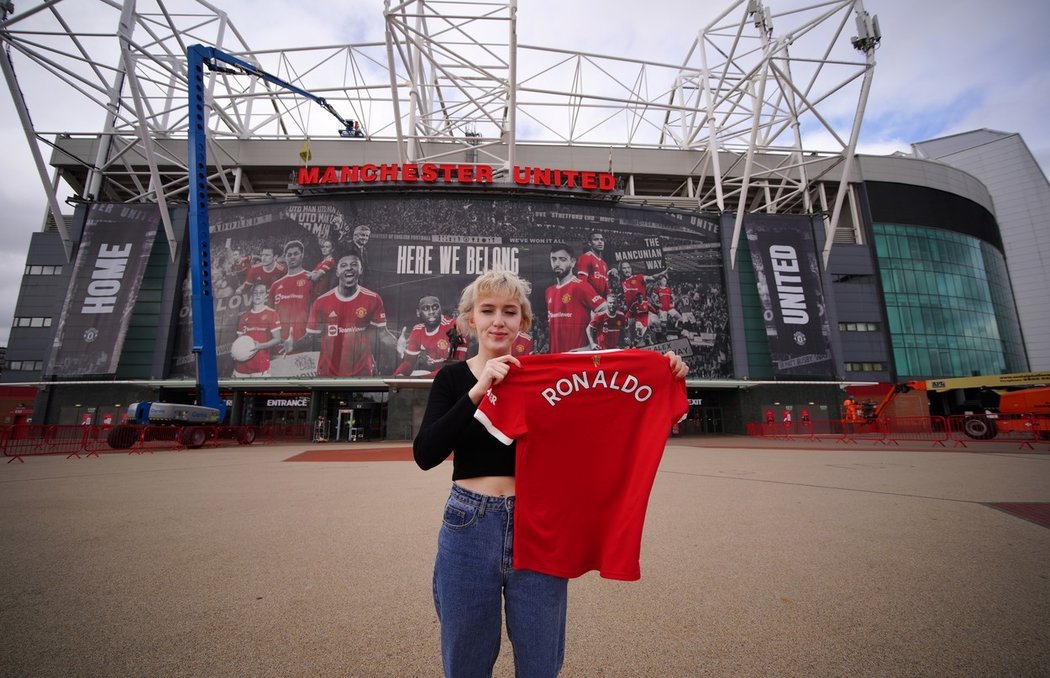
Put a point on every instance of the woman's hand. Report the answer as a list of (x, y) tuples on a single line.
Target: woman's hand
[(492, 373), (678, 366)]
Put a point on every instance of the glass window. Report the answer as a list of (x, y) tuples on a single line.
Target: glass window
[(947, 295)]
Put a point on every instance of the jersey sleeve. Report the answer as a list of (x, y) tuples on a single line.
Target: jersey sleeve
[(593, 299), (313, 325), (378, 313), (501, 411), (415, 344)]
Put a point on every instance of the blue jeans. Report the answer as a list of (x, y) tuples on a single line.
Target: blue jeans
[(474, 575)]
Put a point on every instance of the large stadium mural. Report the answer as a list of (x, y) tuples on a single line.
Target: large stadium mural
[(360, 287)]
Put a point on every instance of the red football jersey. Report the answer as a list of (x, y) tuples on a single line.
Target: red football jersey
[(322, 284), (634, 293), (583, 482), (258, 274), (344, 323), (434, 345), (569, 307), (664, 295), (259, 325), (594, 271), (291, 297)]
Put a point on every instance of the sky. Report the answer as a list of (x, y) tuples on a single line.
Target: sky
[(944, 67)]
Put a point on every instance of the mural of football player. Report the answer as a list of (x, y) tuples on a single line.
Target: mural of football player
[(291, 296), (351, 323), (592, 268), (427, 348), (262, 325), (570, 302)]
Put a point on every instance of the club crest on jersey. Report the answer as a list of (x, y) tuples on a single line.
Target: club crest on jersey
[(566, 298), (360, 312), (300, 283)]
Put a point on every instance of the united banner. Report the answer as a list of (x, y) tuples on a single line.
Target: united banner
[(368, 286), (787, 273), (112, 258)]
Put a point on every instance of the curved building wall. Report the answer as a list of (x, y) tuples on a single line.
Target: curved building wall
[(947, 303)]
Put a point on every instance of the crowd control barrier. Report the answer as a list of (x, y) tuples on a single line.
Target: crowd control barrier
[(23, 440), (1023, 430)]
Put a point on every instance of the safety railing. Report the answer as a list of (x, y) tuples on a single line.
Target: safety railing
[(1024, 430), (18, 441)]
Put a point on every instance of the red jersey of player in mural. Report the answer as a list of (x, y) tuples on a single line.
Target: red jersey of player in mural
[(593, 270), (607, 326), (434, 345), (259, 274), (663, 295), (259, 325), (291, 298), (522, 344), (563, 527), (320, 272), (634, 293), (569, 307), (347, 326)]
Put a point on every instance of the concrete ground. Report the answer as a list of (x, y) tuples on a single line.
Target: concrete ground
[(757, 561)]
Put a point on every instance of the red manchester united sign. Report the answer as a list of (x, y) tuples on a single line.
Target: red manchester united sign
[(333, 176)]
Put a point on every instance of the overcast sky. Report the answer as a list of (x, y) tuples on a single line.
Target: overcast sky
[(945, 66)]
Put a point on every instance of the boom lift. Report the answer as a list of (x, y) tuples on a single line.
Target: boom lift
[(192, 420)]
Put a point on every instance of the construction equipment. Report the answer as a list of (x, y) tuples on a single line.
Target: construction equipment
[(192, 419)]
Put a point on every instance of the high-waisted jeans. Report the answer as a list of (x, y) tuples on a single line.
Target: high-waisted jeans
[(474, 574)]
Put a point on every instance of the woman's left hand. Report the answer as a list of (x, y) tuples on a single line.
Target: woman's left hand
[(678, 366)]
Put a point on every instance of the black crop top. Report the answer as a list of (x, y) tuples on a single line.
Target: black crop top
[(449, 426)]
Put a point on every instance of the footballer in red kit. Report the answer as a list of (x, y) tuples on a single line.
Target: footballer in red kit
[(592, 268), (570, 302), (428, 346), (267, 271), (635, 298), (606, 326), (263, 326), (291, 296), (319, 274), (351, 322)]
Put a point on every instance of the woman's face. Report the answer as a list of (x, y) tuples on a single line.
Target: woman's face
[(497, 321)]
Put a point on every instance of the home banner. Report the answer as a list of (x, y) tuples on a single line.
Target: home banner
[(787, 273), (105, 283)]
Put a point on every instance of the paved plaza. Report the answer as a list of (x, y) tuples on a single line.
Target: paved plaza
[(756, 561)]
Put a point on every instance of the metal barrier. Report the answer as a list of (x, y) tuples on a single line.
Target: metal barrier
[(933, 430), (1020, 429), (1023, 430), (25, 440)]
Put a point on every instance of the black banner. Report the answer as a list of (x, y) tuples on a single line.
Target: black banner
[(661, 268), (787, 273), (106, 278)]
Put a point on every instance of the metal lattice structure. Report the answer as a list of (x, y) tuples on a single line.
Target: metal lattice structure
[(766, 105)]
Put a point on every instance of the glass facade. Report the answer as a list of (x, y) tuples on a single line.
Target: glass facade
[(949, 305)]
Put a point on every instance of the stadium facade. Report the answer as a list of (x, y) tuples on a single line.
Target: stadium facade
[(781, 275)]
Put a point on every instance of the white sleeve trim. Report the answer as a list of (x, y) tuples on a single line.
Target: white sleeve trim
[(496, 433)]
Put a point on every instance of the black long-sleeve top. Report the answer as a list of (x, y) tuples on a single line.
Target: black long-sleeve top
[(449, 426)]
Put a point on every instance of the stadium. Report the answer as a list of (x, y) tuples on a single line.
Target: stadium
[(719, 205)]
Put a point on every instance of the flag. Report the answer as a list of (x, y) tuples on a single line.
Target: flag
[(304, 153)]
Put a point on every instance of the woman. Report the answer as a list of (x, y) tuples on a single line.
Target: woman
[(473, 573)]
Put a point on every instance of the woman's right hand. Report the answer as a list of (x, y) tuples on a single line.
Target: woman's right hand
[(492, 373)]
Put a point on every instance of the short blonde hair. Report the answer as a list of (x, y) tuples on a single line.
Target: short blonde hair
[(497, 282)]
